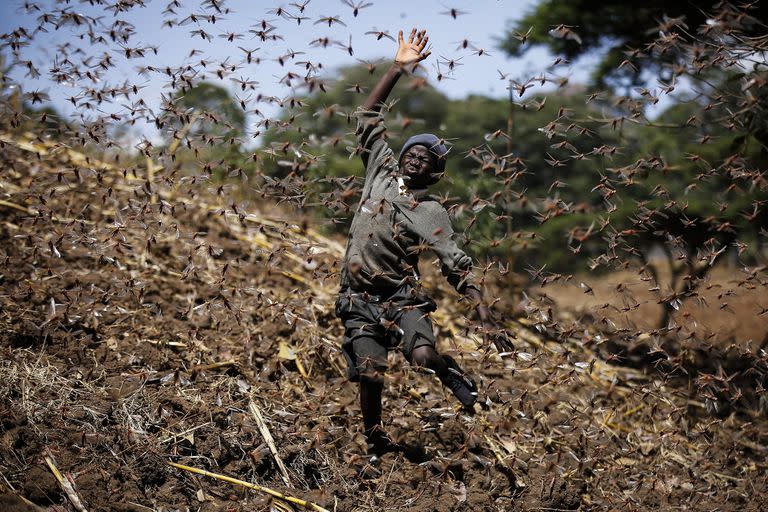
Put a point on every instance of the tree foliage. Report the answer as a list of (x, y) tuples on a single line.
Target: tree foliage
[(618, 31), (206, 120), (217, 115)]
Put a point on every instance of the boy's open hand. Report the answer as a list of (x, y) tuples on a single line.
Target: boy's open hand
[(412, 51)]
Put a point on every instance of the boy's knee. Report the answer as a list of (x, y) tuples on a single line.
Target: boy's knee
[(423, 356), (371, 378)]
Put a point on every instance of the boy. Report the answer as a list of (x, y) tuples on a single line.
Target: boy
[(380, 301)]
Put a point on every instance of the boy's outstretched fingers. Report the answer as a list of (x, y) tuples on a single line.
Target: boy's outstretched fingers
[(412, 51)]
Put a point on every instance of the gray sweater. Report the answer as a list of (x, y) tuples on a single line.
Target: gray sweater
[(394, 224)]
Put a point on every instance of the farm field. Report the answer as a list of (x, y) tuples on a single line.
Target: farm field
[(115, 365), (186, 185)]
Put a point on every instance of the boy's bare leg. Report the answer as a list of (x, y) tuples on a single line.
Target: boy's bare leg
[(448, 372), (370, 402), (370, 405), (428, 357)]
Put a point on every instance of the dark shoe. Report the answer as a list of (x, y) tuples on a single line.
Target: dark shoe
[(461, 385), (380, 443)]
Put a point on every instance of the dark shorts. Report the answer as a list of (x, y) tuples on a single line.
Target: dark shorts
[(374, 324)]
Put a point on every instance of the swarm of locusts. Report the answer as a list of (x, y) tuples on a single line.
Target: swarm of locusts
[(173, 235)]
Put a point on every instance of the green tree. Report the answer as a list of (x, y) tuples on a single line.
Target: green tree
[(204, 122), (617, 30), (688, 181), (216, 112)]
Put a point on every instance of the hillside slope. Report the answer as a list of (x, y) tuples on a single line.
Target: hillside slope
[(144, 318)]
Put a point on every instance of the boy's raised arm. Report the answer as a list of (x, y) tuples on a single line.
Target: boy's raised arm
[(370, 128), (410, 52)]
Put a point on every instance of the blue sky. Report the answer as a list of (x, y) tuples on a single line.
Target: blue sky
[(482, 22)]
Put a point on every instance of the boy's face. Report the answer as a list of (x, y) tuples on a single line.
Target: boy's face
[(417, 166)]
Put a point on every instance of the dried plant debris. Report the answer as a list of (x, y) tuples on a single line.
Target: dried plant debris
[(171, 300)]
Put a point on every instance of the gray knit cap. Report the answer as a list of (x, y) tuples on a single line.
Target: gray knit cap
[(432, 143)]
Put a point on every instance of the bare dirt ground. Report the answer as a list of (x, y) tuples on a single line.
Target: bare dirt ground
[(118, 356), (725, 308)]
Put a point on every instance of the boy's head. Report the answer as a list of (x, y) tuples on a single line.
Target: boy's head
[(422, 160)]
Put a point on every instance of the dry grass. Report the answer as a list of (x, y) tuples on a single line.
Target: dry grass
[(116, 361)]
